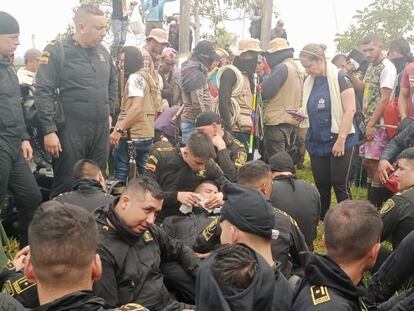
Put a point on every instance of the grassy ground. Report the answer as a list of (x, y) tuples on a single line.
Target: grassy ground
[(357, 193)]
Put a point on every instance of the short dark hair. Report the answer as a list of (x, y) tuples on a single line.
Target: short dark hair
[(253, 171), (234, 266), (63, 239), (85, 168), (87, 9), (401, 45), (199, 145), (370, 38), (407, 154), (350, 221), (337, 57), (141, 185)]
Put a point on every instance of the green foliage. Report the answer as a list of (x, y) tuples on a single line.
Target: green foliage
[(387, 18), (221, 38)]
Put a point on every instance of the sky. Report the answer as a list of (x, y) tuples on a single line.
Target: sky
[(315, 21)]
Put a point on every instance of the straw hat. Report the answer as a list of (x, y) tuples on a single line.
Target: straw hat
[(246, 45)]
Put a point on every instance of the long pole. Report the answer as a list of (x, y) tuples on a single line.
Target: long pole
[(184, 43)]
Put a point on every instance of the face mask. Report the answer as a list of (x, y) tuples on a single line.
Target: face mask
[(246, 65)]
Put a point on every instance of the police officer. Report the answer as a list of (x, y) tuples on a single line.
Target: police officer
[(403, 140), (291, 195), (15, 149), (88, 190), (131, 248), (80, 69), (331, 281), (231, 153), (180, 170), (63, 260)]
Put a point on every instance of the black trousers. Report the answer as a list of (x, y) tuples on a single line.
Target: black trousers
[(277, 138), (330, 171), (79, 140), (16, 176), (179, 281)]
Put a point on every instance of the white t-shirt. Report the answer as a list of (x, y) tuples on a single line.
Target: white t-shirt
[(136, 85), (388, 76)]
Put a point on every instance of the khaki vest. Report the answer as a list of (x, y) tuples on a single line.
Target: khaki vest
[(241, 96), (289, 97), (144, 127)]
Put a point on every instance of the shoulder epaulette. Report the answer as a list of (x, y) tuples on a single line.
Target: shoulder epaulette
[(388, 205), (319, 294)]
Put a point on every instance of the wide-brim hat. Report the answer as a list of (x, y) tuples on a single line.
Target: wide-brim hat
[(159, 35), (278, 44), (247, 45)]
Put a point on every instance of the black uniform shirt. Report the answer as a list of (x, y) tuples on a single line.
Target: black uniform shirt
[(398, 217), (87, 83), (231, 158), (166, 165)]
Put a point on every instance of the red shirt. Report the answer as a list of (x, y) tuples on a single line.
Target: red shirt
[(407, 81)]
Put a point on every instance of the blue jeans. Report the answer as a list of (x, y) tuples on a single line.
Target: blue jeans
[(120, 30), (121, 159), (187, 128)]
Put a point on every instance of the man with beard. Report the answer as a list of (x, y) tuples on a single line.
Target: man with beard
[(282, 90), (195, 93), (236, 88), (331, 281)]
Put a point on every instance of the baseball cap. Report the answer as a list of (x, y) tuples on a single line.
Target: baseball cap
[(207, 118), (206, 48)]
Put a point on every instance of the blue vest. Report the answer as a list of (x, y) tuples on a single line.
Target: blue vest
[(319, 138)]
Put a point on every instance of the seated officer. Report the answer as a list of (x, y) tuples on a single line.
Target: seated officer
[(398, 212), (296, 197), (180, 170), (231, 153), (290, 241), (132, 248), (331, 281), (391, 276), (235, 278), (88, 190), (247, 217), (63, 260)]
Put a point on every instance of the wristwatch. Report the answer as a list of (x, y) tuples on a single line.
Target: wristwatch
[(119, 130)]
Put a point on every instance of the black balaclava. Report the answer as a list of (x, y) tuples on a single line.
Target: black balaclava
[(133, 60), (246, 65)]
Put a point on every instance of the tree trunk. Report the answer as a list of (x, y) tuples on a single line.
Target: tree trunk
[(197, 23), (184, 43), (267, 10)]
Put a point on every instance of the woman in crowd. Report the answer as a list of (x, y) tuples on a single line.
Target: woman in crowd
[(329, 107)]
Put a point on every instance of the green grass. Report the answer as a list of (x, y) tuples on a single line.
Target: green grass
[(357, 194)]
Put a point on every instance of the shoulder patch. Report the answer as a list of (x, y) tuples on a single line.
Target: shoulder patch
[(44, 58), (210, 229), (319, 294), (131, 307), (150, 166), (153, 158), (388, 205), (147, 236), (241, 159), (101, 57), (165, 149), (139, 82), (22, 285)]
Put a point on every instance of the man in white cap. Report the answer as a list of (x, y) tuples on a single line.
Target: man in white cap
[(236, 87), (282, 89)]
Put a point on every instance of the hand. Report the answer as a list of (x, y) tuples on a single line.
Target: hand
[(215, 201), (18, 261), (110, 121), (349, 67), (218, 142), (383, 168), (27, 150), (115, 137), (188, 198), (369, 132), (338, 149), (52, 144)]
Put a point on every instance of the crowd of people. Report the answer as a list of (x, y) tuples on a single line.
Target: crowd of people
[(156, 198)]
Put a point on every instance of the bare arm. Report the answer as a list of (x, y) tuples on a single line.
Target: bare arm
[(403, 100)]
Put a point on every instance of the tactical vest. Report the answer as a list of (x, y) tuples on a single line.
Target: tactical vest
[(242, 97), (144, 127), (289, 97)]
